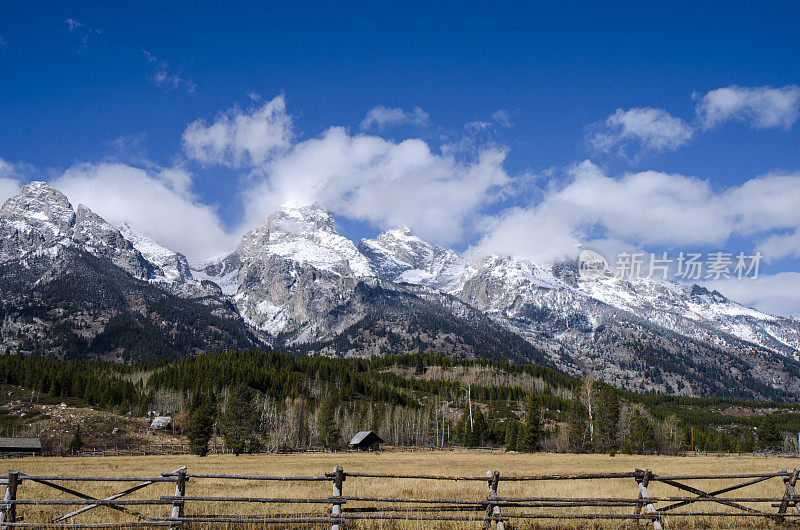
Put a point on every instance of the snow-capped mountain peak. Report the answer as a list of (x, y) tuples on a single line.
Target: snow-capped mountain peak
[(168, 265), (305, 234), (39, 216), (399, 255)]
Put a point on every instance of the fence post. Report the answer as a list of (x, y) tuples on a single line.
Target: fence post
[(643, 480), (180, 491), (338, 479), (790, 483), (493, 510), (9, 512)]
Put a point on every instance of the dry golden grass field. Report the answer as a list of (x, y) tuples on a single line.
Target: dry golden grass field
[(463, 463)]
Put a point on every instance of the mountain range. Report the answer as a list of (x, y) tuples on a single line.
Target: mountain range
[(74, 285)]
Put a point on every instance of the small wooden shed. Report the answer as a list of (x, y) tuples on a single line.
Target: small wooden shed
[(20, 446), (366, 441)]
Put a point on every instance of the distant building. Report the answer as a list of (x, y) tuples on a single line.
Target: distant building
[(366, 441), (20, 446)]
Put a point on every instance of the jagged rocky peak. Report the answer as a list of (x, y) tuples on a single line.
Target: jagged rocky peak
[(398, 248), (305, 234), (167, 264), (41, 208), (40, 202), (566, 270), (294, 219), (104, 240), (399, 255), (37, 217), (516, 272)]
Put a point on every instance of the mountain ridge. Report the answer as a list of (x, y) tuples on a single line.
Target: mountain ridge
[(296, 283)]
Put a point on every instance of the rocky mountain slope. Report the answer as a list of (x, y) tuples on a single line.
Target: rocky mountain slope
[(72, 286), (296, 283)]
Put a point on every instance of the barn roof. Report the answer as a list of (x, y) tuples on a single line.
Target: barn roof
[(362, 435), (21, 443)]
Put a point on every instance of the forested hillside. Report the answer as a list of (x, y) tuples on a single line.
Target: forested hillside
[(282, 402)]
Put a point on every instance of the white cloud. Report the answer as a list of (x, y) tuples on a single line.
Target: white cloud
[(765, 203), (381, 117), (382, 182), (166, 77), (648, 129), (8, 188), (770, 293), (155, 202), (11, 177), (779, 246), (474, 127), (762, 107), (647, 209), (503, 118), (239, 138)]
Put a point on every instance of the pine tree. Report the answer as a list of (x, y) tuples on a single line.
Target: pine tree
[(479, 429), (512, 428), (642, 437), (769, 436), (576, 426), (200, 424), (606, 418), (327, 427), (76, 442), (464, 430), (532, 431), (419, 367), (239, 422)]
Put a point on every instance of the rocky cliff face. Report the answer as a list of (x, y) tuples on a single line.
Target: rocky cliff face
[(296, 283)]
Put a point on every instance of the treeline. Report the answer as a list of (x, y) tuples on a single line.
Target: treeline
[(299, 402), (95, 383)]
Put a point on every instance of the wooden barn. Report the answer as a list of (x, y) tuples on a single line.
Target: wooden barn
[(366, 441), (20, 446)]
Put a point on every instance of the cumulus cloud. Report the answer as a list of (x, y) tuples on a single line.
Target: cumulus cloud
[(381, 117), (646, 209), (762, 107), (154, 201), (771, 293), (240, 138), (8, 188), (166, 77), (11, 177), (382, 182), (648, 129), (362, 177)]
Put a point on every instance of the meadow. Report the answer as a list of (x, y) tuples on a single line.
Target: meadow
[(451, 463)]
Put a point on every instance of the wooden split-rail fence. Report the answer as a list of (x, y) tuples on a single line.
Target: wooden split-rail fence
[(490, 509)]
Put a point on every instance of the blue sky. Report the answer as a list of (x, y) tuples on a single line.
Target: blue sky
[(499, 128)]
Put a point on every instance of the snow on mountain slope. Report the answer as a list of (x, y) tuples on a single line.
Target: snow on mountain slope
[(297, 280), (305, 234), (100, 238), (169, 265), (39, 216), (399, 255), (222, 270)]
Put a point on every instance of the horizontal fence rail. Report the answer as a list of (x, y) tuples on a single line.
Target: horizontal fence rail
[(339, 509)]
